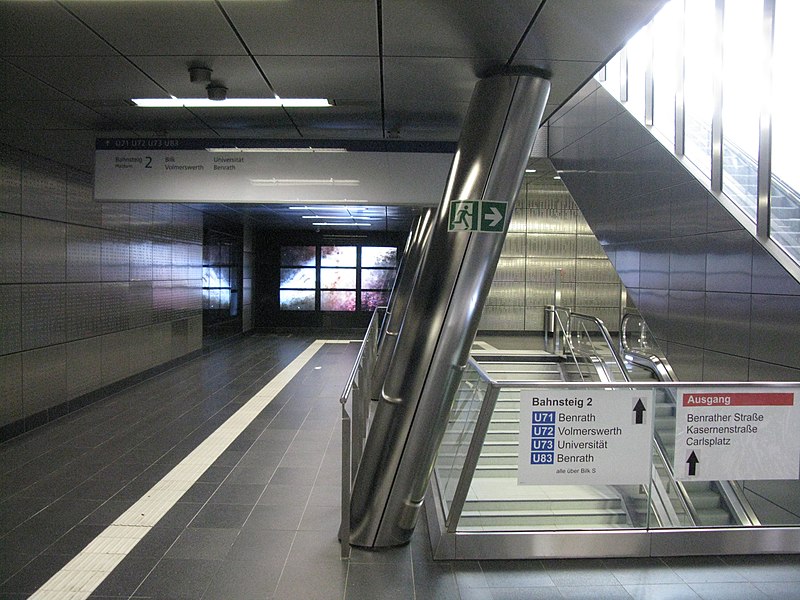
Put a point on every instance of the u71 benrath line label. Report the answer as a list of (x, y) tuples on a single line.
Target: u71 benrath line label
[(597, 437), (737, 433)]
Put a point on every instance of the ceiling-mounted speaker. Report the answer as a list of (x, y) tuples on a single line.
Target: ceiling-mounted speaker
[(199, 74), (216, 92)]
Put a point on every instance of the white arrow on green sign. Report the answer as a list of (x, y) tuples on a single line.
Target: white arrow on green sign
[(477, 215)]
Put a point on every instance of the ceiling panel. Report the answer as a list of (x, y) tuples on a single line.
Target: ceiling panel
[(45, 29), (238, 73), (341, 78), (146, 119), (91, 78), (160, 28), (244, 118), (454, 28), (15, 84), (584, 30), (362, 121), (54, 114), (307, 27), (418, 81)]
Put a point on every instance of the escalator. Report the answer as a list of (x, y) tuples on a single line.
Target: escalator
[(496, 502)]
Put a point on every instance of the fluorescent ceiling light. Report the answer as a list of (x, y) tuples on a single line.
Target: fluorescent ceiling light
[(343, 224), (231, 102), (336, 217), (307, 149), (556, 177), (278, 182), (530, 170)]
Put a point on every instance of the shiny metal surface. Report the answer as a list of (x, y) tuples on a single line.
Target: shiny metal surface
[(765, 124), (716, 77), (43, 250), (442, 316), (43, 315), (401, 293), (44, 189)]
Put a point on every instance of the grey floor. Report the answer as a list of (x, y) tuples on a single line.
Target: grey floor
[(261, 522)]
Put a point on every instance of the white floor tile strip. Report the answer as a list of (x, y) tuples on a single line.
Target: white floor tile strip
[(81, 576)]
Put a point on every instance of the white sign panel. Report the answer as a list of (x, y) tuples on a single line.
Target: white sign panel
[(723, 434), (585, 437), (163, 170)]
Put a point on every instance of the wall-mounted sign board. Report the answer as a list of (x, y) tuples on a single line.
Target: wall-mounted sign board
[(172, 170), (590, 437), (724, 434)]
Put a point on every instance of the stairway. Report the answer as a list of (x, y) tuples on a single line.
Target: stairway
[(495, 500)]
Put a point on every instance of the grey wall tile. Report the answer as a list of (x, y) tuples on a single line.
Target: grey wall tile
[(686, 361), (724, 367), (116, 216), (729, 262), (84, 253), (10, 248), (654, 264), (43, 314), (10, 318), (11, 388), (688, 209), (44, 251), (775, 329), (687, 263), (84, 305), (43, 378), (769, 277), (116, 348), (44, 189), (686, 323), (727, 323), (115, 256), (114, 314), (10, 180), (654, 305), (83, 371), (764, 371), (626, 263), (81, 207)]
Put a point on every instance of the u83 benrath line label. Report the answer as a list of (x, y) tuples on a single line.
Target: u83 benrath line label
[(596, 437), (737, 433)]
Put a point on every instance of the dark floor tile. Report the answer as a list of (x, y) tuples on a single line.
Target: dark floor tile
[(34, 574), (592, 592), (662, 591), (75, 540), (379, 580), (434, 581), (179, 578), (203, 544), (279, 495), (728, 591), (244, 580), (320, 581), (261, 544), (577, 572), (276, 517), (780, 590), (237, 494), (126, 577), (321, 518), (225, 516)]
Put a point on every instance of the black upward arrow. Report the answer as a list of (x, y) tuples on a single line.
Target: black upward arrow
[(639, 410), (693, 460)]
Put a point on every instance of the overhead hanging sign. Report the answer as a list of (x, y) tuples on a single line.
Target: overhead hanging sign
[(592, 437), (742, 433), (172, 170)]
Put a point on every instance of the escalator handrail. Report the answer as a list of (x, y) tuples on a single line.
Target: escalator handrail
[(606, 336)]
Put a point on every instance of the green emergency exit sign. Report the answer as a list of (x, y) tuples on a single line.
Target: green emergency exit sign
[(477, 215)]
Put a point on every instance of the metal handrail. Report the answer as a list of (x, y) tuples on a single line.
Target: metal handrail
[(352, 445), (567, 338), (606, 336)]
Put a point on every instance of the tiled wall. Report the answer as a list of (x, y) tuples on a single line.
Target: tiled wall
[(247, 277), (721, 307), (548, 232), (89, 293)]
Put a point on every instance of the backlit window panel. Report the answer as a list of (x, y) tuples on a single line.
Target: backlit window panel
[(337, 301), (338, 256), (297, 299), (377, 279), (378, 256), (337, 279), (299, 278), (372, 300), (299, 256)]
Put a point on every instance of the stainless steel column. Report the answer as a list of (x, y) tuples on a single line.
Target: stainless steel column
[(443, 312), (401, 292)]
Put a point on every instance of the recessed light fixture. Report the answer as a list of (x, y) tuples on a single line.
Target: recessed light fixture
[(279, 182), (305, 149), (530, 170), (343, 224), (335, 217), (556, 177), (231, 102)]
